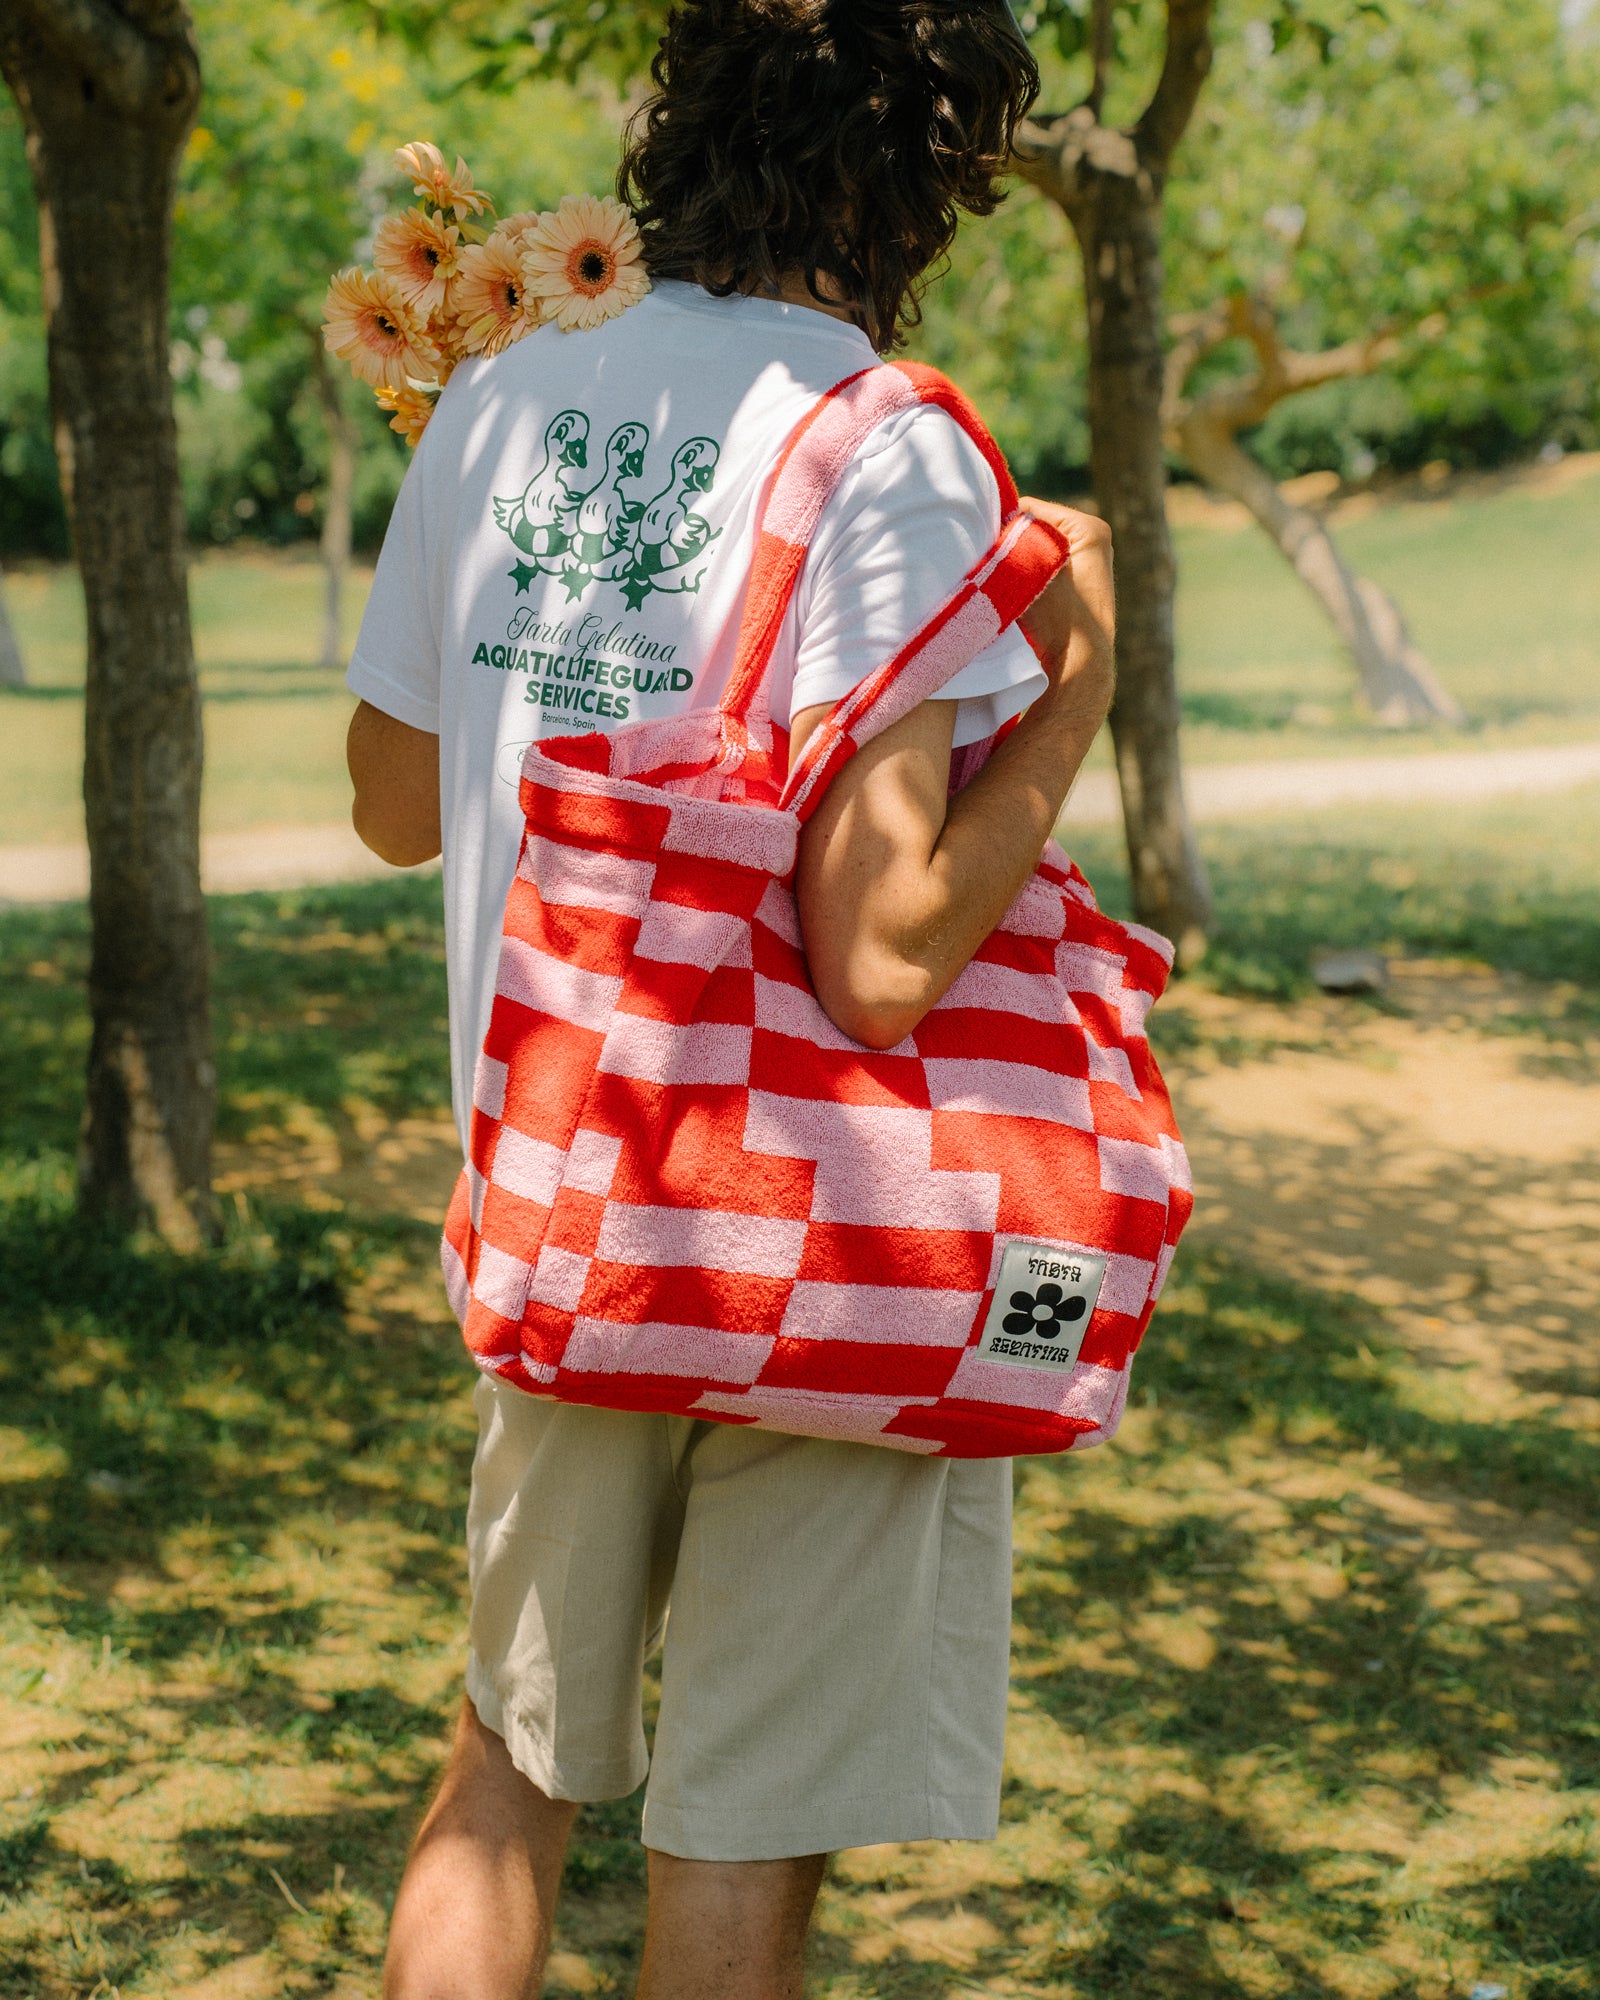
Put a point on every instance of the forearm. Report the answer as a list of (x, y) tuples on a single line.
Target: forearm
[(997, 826), (394, 770), (899, 884), (922, 911)]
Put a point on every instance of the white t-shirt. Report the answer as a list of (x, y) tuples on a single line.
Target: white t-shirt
[(569, 551)]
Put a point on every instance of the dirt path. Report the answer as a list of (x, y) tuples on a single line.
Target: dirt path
[(1238, 791), (294, 857), (1423, 1157), (267, 857)]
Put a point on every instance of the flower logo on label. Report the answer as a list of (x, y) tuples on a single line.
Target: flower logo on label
[(1042, 1314)]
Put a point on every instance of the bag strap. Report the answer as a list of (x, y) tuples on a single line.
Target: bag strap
[(992, 595), (814, 458)]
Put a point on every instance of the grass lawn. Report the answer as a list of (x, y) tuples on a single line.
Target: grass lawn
[(1514, 883), (1281, 1726), (274, 720), (1503, 590)]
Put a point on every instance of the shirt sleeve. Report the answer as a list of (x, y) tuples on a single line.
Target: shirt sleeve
[(916, 510), (395, 665)]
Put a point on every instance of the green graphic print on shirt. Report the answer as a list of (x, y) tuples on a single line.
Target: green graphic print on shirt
[(585, 531)]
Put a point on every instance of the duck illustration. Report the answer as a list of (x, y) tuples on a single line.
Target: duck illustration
[(539, 519), (668, 535), (605, 511)]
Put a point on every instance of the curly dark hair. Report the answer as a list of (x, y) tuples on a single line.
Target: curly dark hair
[(833, 138)]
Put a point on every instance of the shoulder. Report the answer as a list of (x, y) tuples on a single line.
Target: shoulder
[(917, 465)]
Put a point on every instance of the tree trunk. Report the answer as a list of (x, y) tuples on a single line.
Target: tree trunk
[(1397, 682), (1118, 225), (1109, 182), (107, 94), (13, 673), (336, 515)]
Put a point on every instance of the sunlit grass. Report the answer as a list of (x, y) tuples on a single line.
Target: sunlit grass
[(1303, 1702), (1502, 588), (1513, 883), (274, 719)]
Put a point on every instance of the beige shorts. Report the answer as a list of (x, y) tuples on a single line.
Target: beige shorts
[(834, 1669)]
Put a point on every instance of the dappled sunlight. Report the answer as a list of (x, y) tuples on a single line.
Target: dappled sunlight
[(1282, 1705), (1302, 1703), (1410, 1157)]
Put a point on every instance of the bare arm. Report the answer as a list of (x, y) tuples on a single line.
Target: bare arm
[(898, 884), (395, 770)]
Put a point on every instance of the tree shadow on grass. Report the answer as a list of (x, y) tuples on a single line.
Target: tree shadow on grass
[(224, 1389), (231, 1543), (321, 996), (1547, 1913), (1263, 1649), (1325, 1628), (219, 1483)]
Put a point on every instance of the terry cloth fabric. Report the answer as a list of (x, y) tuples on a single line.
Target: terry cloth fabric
[(835, 1663), (569, 550), (689, 1192)]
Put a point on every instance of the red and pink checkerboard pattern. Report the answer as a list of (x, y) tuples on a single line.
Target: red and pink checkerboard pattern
[(687, 1190)]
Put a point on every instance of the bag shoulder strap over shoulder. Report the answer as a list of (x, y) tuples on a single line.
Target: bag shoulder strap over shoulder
[(998, 588), (815, 457)]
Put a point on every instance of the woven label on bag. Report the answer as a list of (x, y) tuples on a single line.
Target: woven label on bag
[(1042, 1302)]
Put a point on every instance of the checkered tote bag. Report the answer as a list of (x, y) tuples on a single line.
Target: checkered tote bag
[(688, 1191)]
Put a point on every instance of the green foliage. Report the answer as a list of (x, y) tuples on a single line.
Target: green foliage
[(1005, 322), (512, 45), (1438, 173), (32, 519), (1437, 168), (286, 174), (1391, 164)]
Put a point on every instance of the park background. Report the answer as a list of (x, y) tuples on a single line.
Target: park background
[(1304, 1700)]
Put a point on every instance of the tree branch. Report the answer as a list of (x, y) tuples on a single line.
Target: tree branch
[(1100, 40), (1184, 69), (1048, 151), (1280, 371), (1194, 336), (100, 40)]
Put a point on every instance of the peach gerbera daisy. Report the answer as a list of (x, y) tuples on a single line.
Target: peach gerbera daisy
[(583, 262), (437, 183), (419, 251), (493, 305), (412, 409), (515, 227), (367, 323)]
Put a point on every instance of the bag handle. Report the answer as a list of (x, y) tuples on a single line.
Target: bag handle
[(993, 594), (814, 458), (998, 588)]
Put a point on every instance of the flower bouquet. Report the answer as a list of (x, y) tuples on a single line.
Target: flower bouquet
[(445, 286)]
